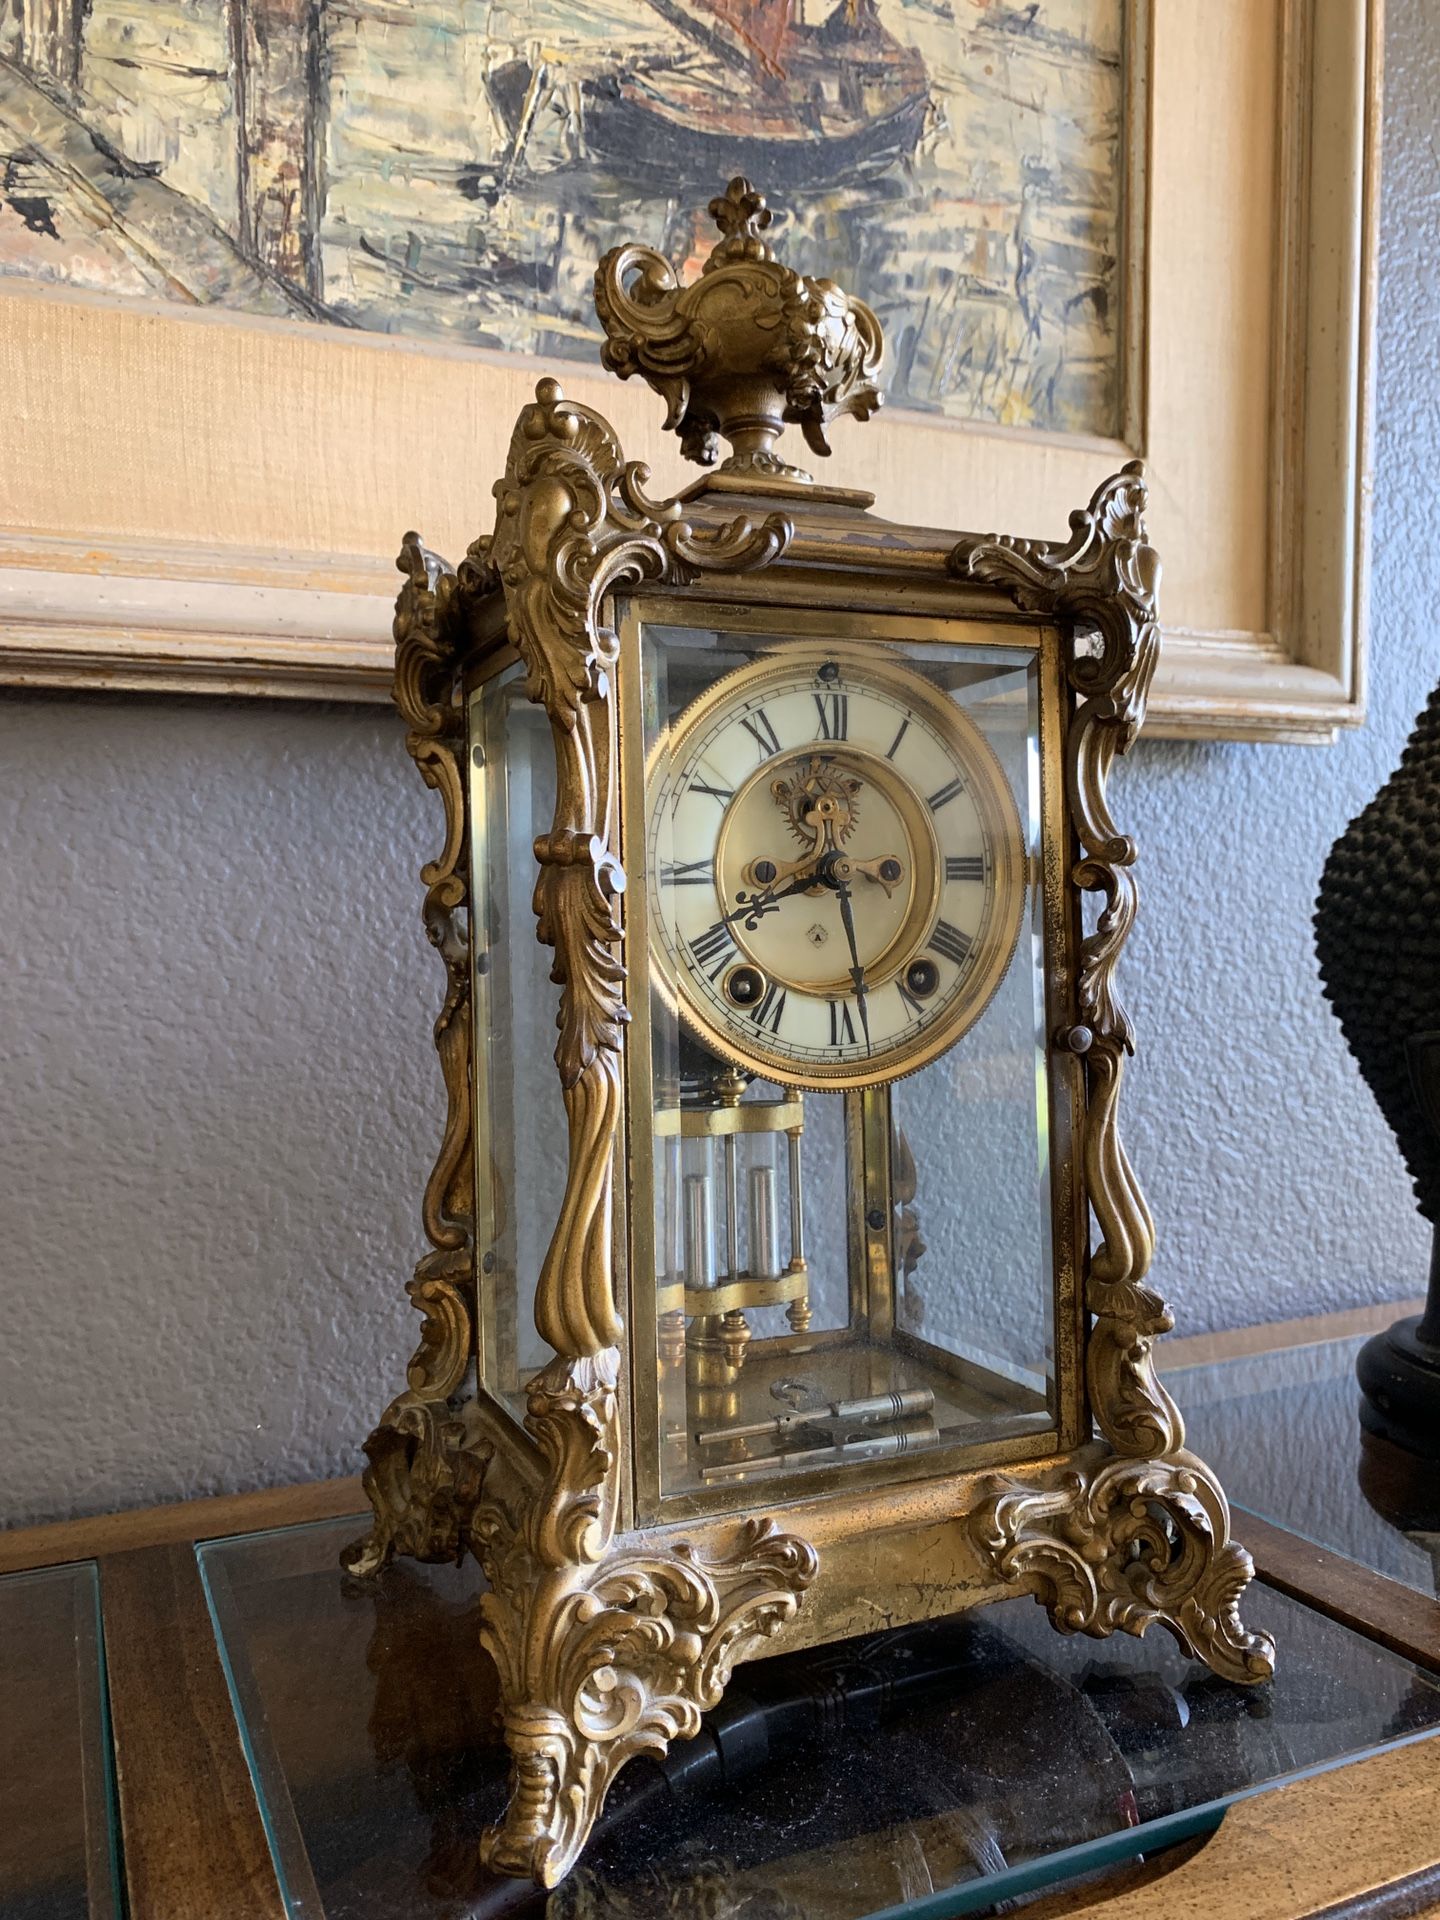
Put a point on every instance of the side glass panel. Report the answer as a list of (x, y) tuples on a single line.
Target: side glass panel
[(835, 898), (520, 1135), (970, 1138)]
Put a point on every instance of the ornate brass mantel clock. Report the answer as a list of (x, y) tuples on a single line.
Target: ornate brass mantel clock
[(811, 1298)]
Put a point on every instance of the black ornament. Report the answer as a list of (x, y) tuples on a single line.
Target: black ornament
[(1377, 934)]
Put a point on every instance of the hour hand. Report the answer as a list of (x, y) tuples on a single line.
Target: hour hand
[(752, 907)]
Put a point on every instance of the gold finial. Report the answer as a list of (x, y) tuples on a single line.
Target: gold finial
[(742, 216), (745, 348)]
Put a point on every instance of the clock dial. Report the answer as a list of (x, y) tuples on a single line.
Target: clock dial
[(836, 867)]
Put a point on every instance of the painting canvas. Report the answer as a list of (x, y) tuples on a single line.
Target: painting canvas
[(450, 169)]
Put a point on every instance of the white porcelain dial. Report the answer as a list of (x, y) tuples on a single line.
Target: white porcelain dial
[(836, 867)]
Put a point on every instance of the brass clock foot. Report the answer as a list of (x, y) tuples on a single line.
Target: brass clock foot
[(423, 1481), (598, 1664), (426, 1457), (1123, 1544), (603, 1655)]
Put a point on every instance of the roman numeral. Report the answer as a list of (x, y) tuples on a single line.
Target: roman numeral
[(771, 1009), (951, 942), (834, 711), (687, 873), (895, 743), (842, 1027), (758, 726), (964, 866), (938, 800), (913, 1007), (723, 794), (714, 945)]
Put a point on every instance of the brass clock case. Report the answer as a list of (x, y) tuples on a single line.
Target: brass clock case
[(613, 1628), (864, 667)]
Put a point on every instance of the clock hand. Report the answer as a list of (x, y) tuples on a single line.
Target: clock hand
[(753, 907), (857, 972)]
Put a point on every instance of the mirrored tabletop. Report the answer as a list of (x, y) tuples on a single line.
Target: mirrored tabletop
[(58, 1829), (926, 1772)]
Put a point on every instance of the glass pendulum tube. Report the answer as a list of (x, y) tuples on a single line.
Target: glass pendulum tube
[(709, 1343), (699, 1232), (734, 1327), (798, 1312), (672, 1260), (764, 1225)]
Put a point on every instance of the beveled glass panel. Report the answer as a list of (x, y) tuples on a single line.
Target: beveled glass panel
[(970, 1167), (836, 940), (520, 1128), (58, 1829)]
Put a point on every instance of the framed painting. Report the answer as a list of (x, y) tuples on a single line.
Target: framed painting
[(277, 275)]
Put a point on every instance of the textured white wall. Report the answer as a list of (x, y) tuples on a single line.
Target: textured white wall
[(218, 1101)]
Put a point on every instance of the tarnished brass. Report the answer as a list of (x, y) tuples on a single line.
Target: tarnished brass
[(615, 1617), (425, 1460), (747, 1291), (757, 1116), (750, 345)]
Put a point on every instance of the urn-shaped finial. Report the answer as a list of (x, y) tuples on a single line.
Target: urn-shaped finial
[(745, 348)]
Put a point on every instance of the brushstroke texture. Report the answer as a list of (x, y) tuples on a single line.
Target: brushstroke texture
[(451, 169)]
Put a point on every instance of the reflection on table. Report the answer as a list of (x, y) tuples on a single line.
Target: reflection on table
[(830, 1784)]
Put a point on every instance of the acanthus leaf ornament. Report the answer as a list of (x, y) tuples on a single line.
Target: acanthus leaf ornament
[(573, 525), (1102, 584), (603, 1654), (425, 1461), (1127, 1545), (745, 348), (1143, 1537)]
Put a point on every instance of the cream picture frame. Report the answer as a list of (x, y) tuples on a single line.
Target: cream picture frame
[(196, 501)]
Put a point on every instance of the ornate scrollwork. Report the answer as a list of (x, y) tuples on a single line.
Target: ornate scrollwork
[(603, 1655), (1124, 1541), (1102, 585), (425, 1456), (1124, 1545), (746, 347), (574, 524)]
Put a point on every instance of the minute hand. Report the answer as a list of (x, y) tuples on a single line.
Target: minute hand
[(857, 972)]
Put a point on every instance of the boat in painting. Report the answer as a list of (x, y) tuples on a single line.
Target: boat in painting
[(450, 172), (752, 88)]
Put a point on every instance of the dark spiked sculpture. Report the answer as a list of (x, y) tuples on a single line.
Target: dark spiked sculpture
[(1377, 933)]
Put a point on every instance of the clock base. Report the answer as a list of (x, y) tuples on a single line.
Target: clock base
[(611, 1644)]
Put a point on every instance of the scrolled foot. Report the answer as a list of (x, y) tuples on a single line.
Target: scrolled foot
[(426, 1468), (362, 1559), (1126, 1544), (558, 1784), (625, 1656)]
